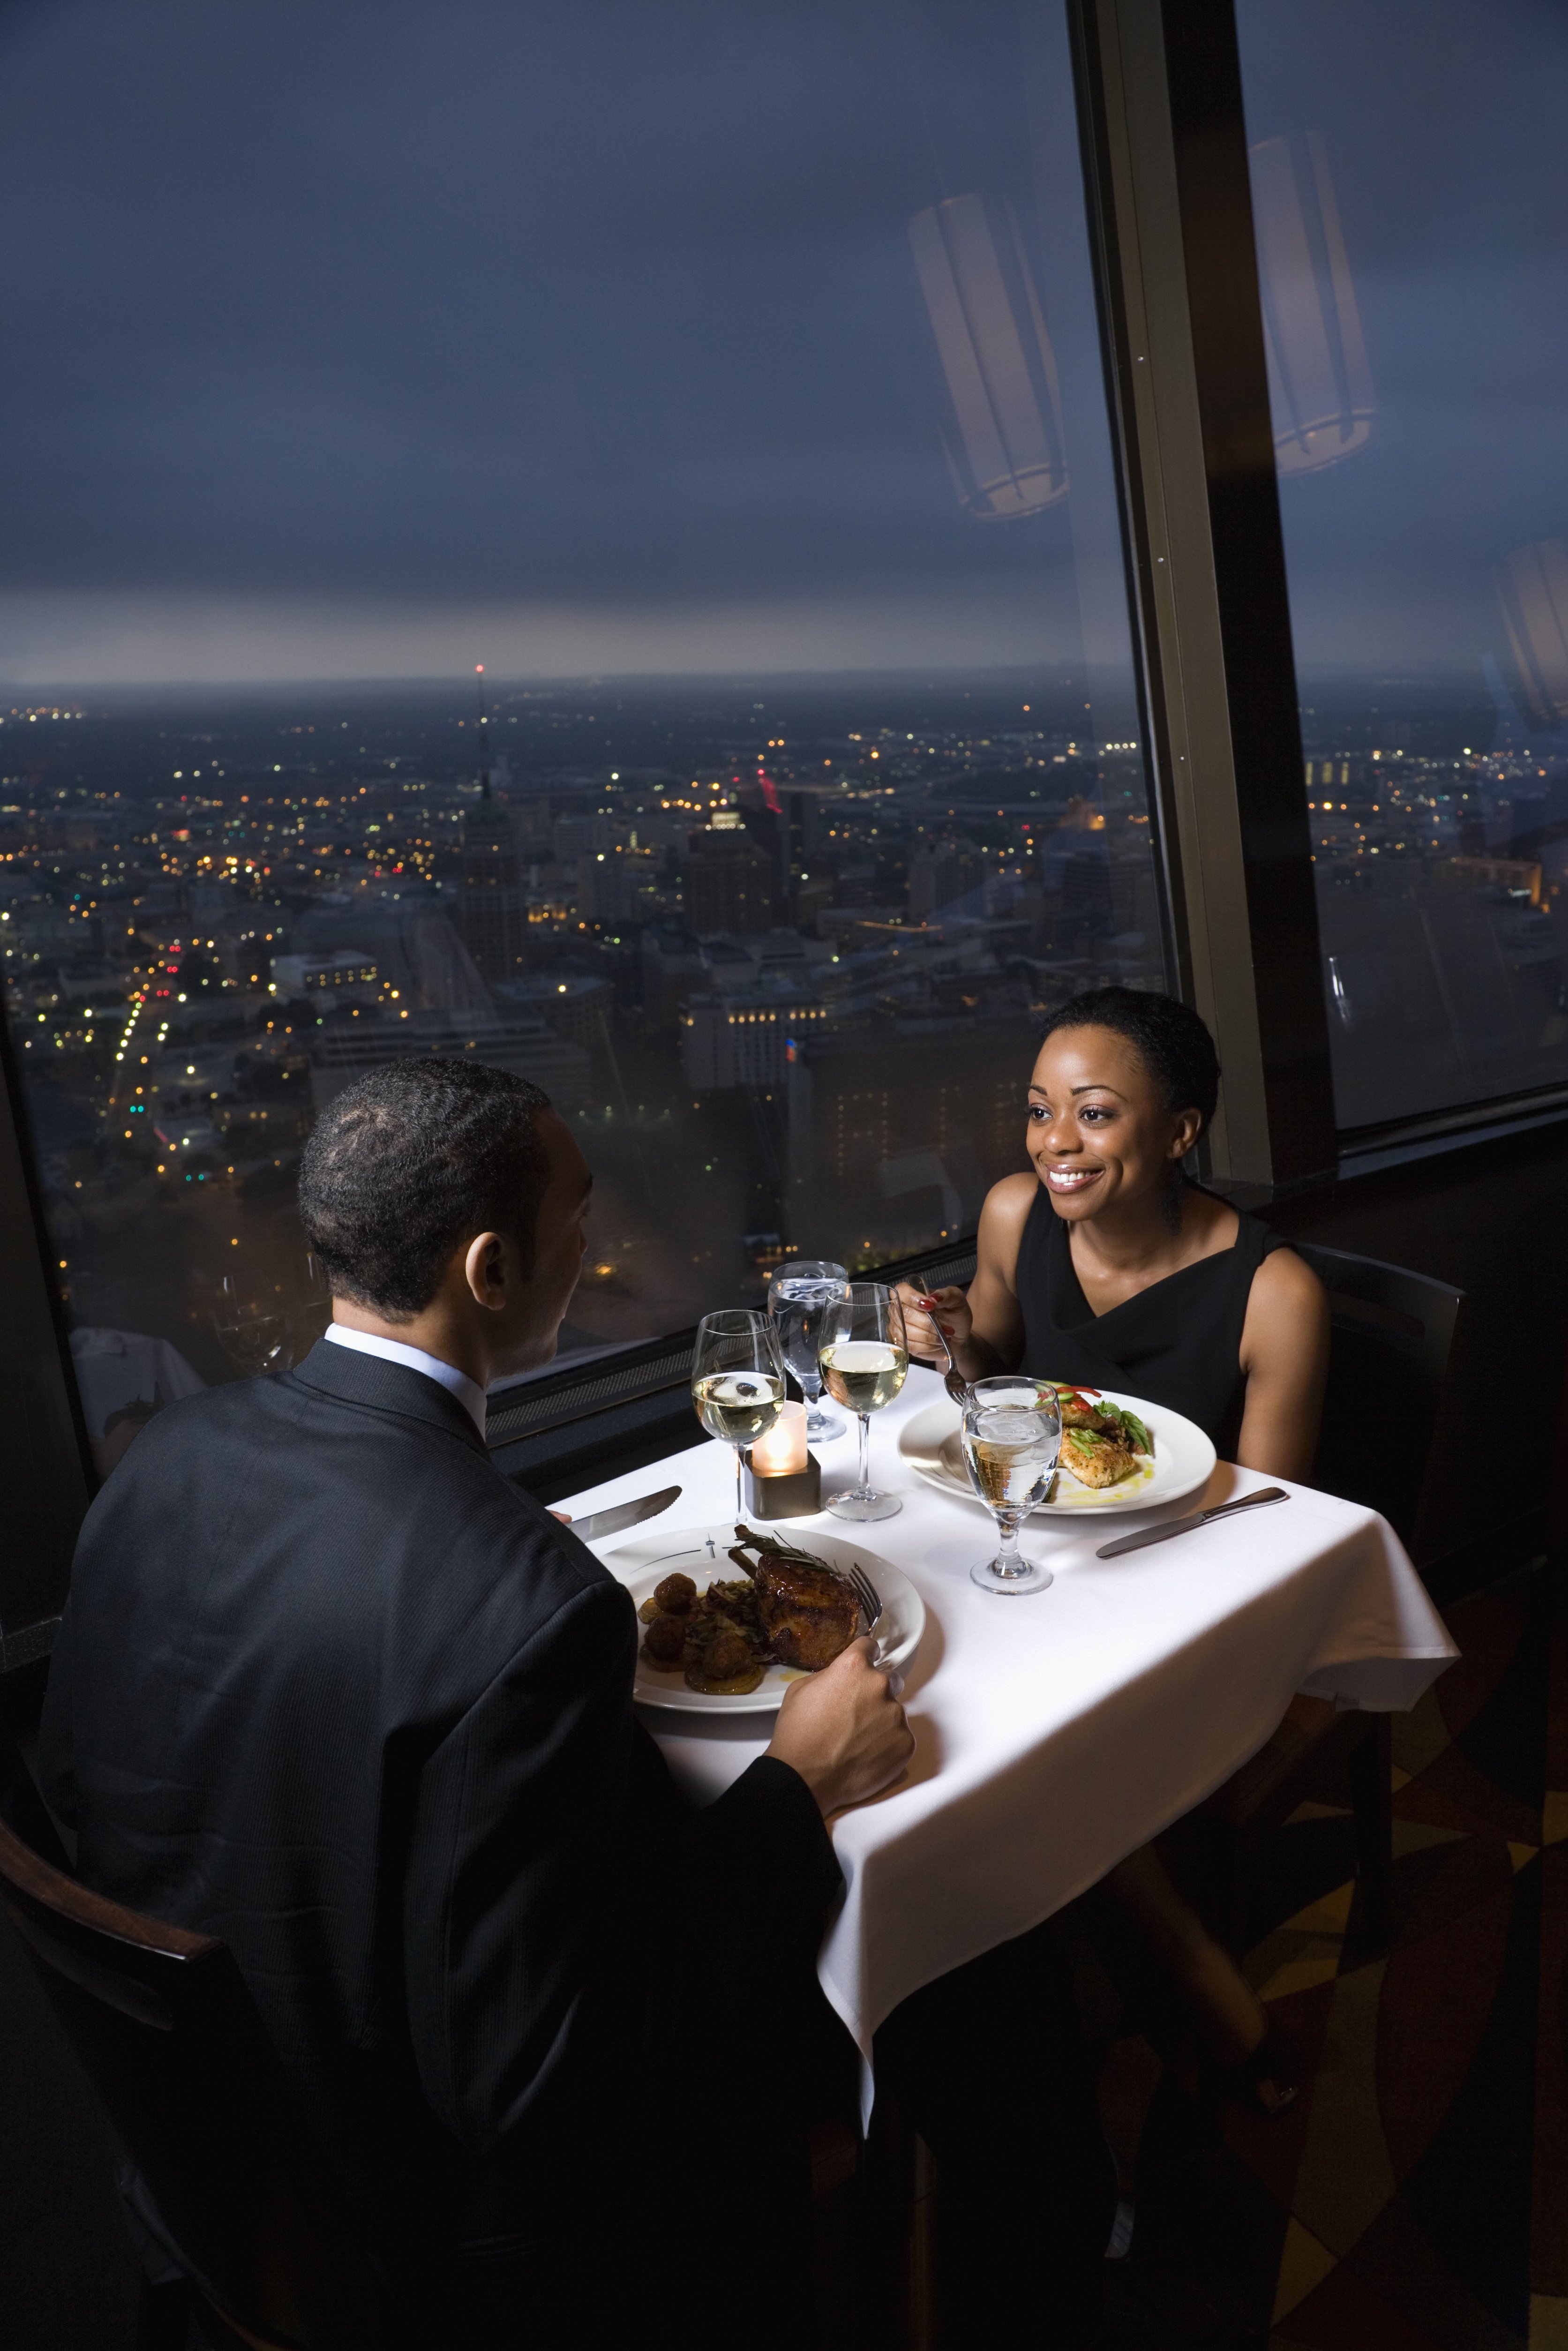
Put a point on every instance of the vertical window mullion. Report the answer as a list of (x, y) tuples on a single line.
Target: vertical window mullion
[(1166, 147)]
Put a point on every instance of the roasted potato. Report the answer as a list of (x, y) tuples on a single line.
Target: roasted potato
[(664, 1642), (676, 1596), (726, 1655)]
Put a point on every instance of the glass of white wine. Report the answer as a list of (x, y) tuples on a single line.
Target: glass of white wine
[(738, 1379), (864, 1355), (1012, 1435)]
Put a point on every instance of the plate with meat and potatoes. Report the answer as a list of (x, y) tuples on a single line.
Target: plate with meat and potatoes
[(731, 1615), (1118, 1453)]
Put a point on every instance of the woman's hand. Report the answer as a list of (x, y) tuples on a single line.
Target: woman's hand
[(937, 1323)]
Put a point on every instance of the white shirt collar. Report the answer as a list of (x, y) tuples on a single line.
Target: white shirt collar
[(468, 1392)]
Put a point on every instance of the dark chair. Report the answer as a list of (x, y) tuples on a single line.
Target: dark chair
[(231, 2185), (1393, 1335)]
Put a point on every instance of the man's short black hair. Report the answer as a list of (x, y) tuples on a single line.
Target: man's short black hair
[(410, 1161)]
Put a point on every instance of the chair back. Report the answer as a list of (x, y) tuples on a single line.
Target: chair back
[(171, 2040), (1393, 1335)]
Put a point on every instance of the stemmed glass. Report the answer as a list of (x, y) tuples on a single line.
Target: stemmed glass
[(864, 1355), (738, 1379), (252, 1325), (1012, 1435), (796, 1297)]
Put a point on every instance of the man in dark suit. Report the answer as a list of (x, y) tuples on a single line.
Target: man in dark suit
[(330, 1687)]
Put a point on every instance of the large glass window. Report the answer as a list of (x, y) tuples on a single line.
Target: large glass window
[(581, 537), (1409, 185)]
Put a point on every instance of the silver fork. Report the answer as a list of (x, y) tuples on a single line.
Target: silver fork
[(866, 1592), (956, 1385), (870, 1599)]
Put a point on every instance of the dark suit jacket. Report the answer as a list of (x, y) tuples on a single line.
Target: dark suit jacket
[(329, 1686)]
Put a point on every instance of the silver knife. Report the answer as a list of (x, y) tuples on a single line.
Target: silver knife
[(1185, 1526), (600, 1523)]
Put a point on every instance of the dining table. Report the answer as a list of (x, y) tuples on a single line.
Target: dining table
[(1056, 1732)]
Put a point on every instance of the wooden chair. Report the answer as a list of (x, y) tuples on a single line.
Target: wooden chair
[(1393, 1336), (240, 2195)]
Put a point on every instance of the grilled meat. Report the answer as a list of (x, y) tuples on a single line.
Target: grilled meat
[(1094, 1459), (810, 1614)]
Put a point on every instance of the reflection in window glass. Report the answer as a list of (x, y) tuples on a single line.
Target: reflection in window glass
[(1408, 189), (585, 538)]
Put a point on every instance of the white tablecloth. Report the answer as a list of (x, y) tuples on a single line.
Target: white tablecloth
[(1058, 1731)]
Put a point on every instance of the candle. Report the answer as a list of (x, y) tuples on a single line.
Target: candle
[(780, 1452)]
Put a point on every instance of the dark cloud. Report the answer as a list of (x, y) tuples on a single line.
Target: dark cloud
[(481, 300), (1441, 120), (611, 309)]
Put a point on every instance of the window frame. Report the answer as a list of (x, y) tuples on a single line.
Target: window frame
[(1163, 149)]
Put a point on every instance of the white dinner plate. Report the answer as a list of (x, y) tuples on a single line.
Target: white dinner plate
[(1183, 1460), (702, 1552)]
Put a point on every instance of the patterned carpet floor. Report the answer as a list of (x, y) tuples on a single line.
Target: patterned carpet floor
[(1416, 2197)]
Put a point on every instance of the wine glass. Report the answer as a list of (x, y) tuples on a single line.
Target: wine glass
[(796, 1297), (253, 1329), (864, 1354), (1012, 1435), (738, 1379)]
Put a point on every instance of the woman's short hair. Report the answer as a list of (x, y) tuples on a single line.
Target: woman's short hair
[(1169, 1036), (413, 1159)]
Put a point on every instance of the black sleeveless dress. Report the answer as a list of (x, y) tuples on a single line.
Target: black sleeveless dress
[(1178, 1342)]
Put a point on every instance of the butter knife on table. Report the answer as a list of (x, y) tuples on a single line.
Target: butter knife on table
[(600, 1523), (1185, 1526)]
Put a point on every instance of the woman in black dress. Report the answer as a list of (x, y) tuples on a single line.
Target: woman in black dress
[(1109, 1268)]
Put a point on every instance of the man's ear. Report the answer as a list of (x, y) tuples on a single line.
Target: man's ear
[(484, 1269)]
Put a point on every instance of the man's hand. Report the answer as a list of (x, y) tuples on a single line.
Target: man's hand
[(843, 1731)]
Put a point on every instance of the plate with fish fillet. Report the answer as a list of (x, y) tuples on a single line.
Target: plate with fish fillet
[(729, 1615), (1118, 1453)]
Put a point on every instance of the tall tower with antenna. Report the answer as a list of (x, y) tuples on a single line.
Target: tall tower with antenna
[(484, 733), (493, 915)]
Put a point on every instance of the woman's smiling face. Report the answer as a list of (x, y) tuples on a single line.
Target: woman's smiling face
[(1099, 1133)]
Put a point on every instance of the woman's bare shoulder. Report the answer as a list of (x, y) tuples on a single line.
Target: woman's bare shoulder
[(1288, 1290), (1002, 1220), (1007, 1204)]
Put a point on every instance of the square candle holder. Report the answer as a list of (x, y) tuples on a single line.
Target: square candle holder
[(793, 1494)]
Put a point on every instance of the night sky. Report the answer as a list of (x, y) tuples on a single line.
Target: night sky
[(360, 340)]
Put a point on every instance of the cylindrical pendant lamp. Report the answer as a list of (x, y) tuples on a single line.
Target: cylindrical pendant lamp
[(1533, 589), (1003, 434), (1320, 386)]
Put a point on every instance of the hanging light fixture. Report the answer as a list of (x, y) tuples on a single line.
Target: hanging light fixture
[(1533, 589), (1003, 437), (1320, 386)]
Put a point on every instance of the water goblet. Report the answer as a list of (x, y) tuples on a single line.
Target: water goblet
[(864, 1354), (738, 1379), (797, 1295), (1012, 1435)]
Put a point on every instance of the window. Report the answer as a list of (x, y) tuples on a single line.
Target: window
[(1408, 190), (585, 538)]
